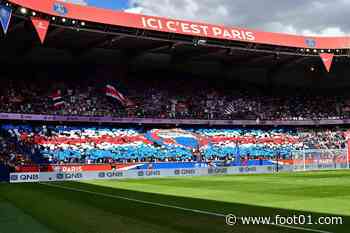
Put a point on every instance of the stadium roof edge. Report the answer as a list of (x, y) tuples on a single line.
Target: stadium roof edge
[(200, 30)]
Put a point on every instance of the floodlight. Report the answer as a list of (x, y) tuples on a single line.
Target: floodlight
[(23, 10)]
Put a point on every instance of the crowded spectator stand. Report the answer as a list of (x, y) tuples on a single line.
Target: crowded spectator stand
[(118, 148)]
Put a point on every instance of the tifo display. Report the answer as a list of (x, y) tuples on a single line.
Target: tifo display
[(28, 148)]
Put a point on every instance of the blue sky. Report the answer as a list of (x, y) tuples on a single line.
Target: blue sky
[(110, 4)]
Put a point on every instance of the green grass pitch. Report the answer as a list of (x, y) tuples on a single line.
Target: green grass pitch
[(176, 205)]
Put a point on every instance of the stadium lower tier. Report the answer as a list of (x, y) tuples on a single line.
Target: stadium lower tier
[(78, 144)]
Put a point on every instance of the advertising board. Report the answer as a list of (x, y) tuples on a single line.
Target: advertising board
[(133, 174)]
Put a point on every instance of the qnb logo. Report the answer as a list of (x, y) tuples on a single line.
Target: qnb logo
[(185, 172), (14, 177), (114, 174), (29, 177), (60, 8), (217, 170), (110, 174), (69, 176), (310, 42), (247, 169), (148, 173), (25, 177)]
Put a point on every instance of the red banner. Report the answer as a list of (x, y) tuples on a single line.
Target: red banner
[(327, 59), (79, 168), (65, 168), (119, 18), (41, 26), (91, 167)]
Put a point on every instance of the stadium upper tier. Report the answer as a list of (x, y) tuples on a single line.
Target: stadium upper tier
[(107, 48), (82, 144), (202, 30), (178, 98)]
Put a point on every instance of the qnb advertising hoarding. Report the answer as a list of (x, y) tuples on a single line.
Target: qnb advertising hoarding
[(133, 174), (149, 173), (185, 172), (69, 176), (24, 177), (220, 170), (110, 174)]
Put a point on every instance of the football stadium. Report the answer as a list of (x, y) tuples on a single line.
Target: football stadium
[(114, 122)]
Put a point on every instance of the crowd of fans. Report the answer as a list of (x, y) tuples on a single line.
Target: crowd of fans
[(12, 153), (180, 97), (67, 144), (189, 98)]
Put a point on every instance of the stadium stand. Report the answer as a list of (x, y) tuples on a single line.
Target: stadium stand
[(175, 98), (99, 145), (143, 76), (103, 95)]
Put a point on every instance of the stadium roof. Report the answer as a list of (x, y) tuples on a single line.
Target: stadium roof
[(118, 18), (88, 30)]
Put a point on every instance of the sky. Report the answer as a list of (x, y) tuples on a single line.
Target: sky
[(306, 17)]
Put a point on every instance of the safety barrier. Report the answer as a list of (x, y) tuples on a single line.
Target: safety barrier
[(150, 121)]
